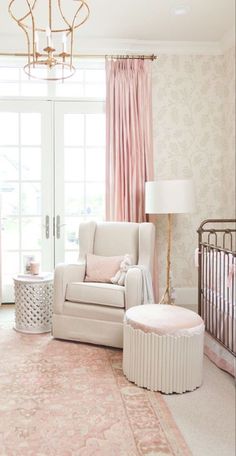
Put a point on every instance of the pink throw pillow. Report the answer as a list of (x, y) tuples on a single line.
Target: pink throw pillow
[(100, 268)]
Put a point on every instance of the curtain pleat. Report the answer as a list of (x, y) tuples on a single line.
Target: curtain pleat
[(129, 146), (129, 150)]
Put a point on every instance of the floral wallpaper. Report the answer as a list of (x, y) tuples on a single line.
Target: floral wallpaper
[(193, 137), (228, 161)]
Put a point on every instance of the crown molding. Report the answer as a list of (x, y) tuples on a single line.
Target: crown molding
[(123, 46), (16, 43)]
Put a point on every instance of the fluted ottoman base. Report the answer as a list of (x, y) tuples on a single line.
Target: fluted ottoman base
[(171, 361)]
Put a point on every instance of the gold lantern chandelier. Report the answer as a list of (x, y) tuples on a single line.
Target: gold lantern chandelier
[(49, 34)]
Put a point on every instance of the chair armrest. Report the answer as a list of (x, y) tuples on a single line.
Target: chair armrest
[(133, 288), (64, 274)]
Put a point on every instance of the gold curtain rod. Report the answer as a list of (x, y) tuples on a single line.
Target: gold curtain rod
[(144, 57), (87, 56)]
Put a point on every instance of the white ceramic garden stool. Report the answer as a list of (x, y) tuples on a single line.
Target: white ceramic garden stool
[(33, 304), (163, 348)]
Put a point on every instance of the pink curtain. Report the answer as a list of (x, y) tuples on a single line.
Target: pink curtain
[(129, 148), (129, 154)]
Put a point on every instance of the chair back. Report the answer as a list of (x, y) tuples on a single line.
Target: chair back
[(118, 238)]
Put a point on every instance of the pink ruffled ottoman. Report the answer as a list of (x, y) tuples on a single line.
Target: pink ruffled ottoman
[(163, 348)]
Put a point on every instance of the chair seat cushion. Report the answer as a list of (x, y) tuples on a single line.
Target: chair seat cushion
[(94, 312), (104, 294)]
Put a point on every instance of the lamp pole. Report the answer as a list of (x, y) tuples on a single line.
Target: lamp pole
[(166, 298), (168, 257)]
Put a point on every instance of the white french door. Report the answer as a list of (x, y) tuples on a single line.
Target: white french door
[(26, 193), (79, 172), (52, 176)]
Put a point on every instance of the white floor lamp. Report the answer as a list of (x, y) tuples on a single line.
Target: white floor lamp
[(169, 197)]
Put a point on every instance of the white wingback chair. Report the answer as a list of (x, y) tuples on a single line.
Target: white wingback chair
[(94, 312)]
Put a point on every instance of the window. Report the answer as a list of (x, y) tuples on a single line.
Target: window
[(87, 82)]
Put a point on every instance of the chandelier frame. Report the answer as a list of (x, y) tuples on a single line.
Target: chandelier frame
[(47, 59)]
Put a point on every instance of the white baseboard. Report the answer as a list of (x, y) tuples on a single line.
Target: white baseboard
[(185, 297)]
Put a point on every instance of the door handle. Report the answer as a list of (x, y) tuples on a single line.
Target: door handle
[(47, 229), (58, 226)]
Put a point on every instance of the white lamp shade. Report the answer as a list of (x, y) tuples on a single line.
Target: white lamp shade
[(169, 197)]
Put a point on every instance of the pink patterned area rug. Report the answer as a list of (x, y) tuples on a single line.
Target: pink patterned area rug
[(61, 398)]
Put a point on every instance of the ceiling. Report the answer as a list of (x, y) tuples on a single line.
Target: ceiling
[(206, 20)]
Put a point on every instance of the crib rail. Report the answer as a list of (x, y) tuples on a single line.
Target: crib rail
[(217, 279)]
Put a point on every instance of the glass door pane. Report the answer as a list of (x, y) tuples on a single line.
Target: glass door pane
[(79, 171), (26, 187)]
